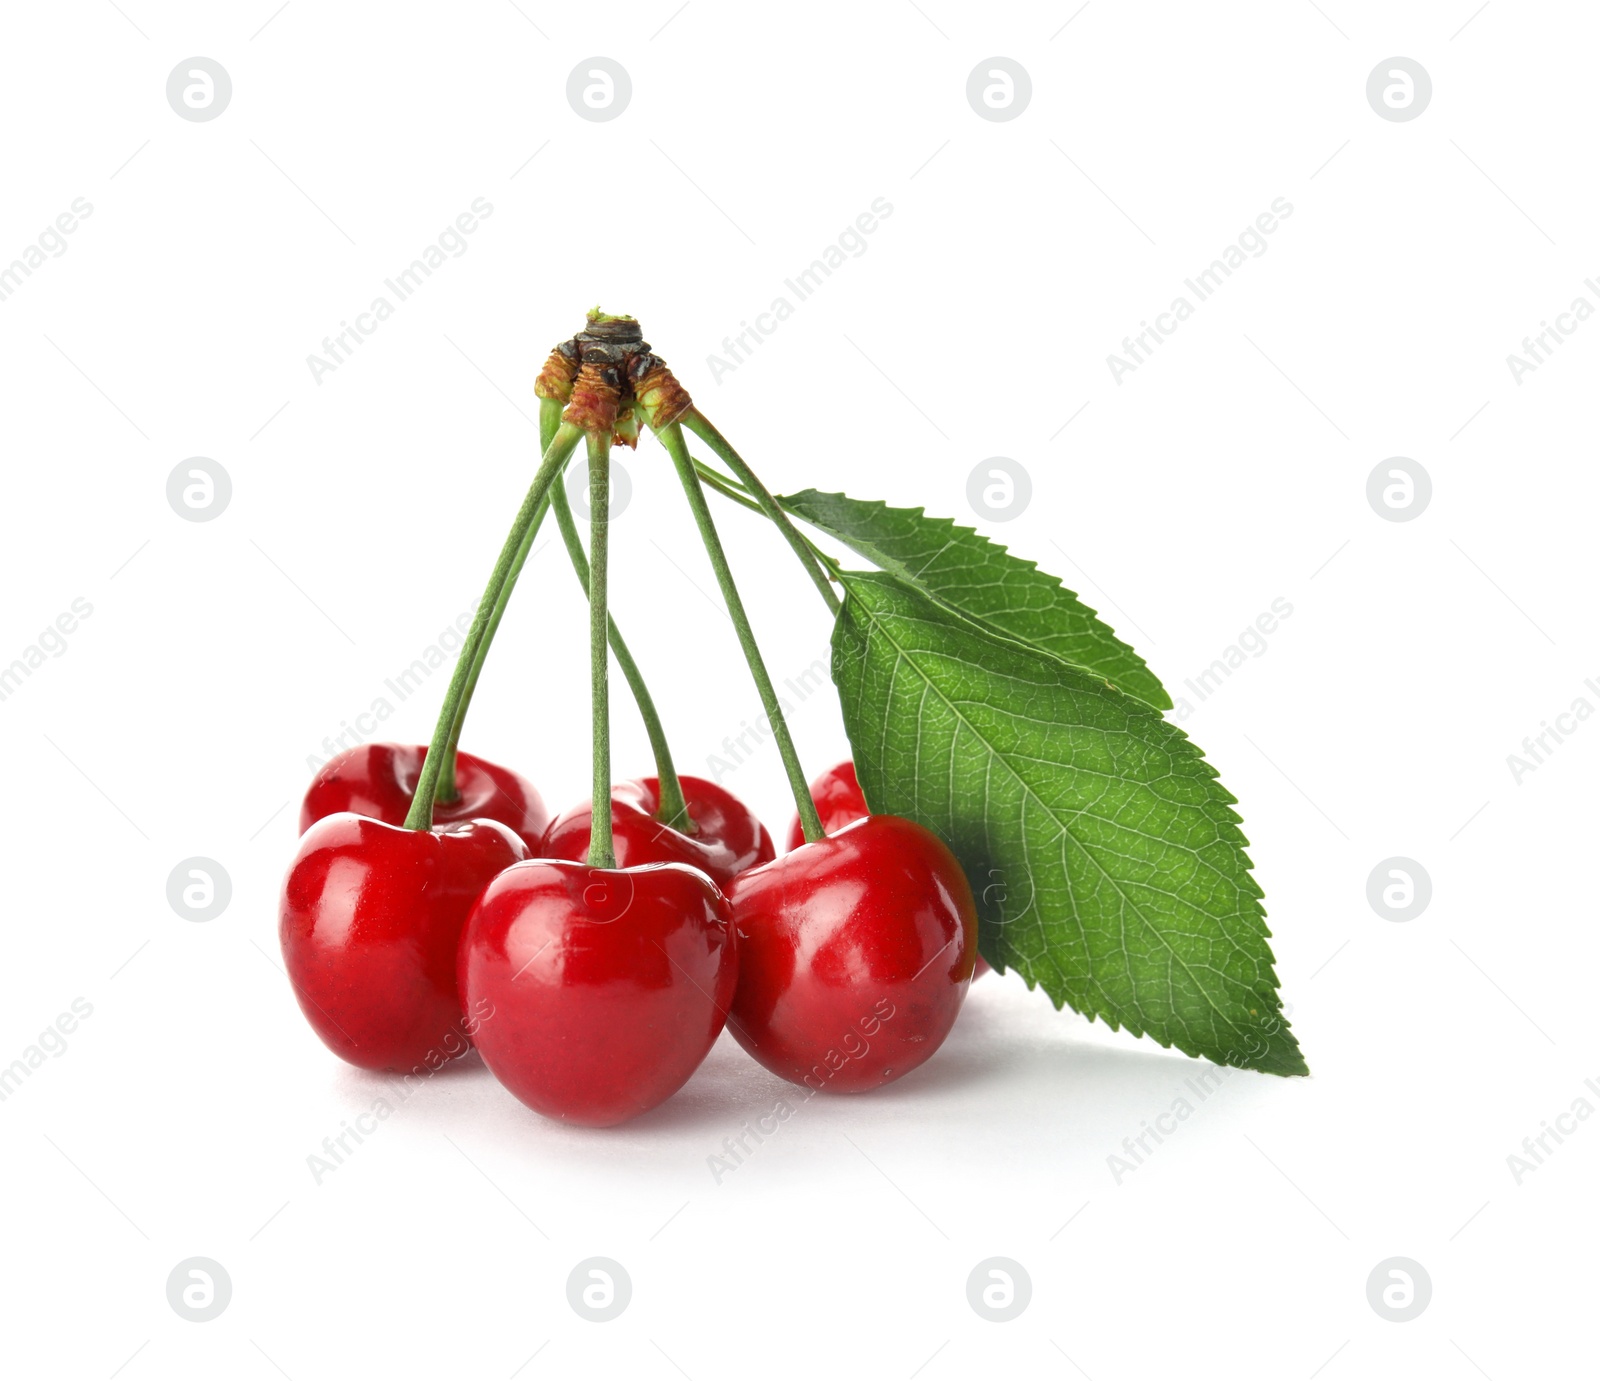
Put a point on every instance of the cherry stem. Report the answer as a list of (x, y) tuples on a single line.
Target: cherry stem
[(448, 789), (696, 421), (730, 489), (420, 816), (672, 438), (602, 854), (674, 809)]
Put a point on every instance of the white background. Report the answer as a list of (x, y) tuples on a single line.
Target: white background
[(1225, 473)]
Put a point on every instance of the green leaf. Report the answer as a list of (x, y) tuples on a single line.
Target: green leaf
[(1106, 857), (981, 579)]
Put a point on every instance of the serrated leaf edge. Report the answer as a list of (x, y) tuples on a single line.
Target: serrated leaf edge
[(1027, 563), (1183, 746)]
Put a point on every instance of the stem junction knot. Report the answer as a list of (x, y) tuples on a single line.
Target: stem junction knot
[(609, 378)]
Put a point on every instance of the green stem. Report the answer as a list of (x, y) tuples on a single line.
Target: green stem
[(448, 791), (601, 852), (729, 489), (696, 421), (549, 421), (674, 810), (672, 438), (420, 816)]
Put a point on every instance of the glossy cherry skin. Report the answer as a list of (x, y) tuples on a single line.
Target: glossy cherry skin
[(379, 780), (854, 955), (601, 989), (370, 924), (728, 840), (839, 801)]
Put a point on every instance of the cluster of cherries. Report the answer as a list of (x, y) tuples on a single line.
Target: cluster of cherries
[(593, 994), (593, 959)]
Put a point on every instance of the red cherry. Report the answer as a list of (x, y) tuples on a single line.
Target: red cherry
[(379, 780), (729, 838), (854, 955), (839, 801), (370, 923), (599, 990)]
